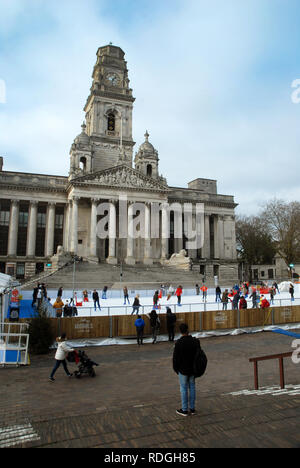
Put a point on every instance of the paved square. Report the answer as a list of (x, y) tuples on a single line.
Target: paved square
[(132, 400)]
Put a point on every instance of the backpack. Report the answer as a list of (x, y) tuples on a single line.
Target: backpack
[(200, 363)]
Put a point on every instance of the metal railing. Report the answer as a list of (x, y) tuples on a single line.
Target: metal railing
[(280, 357), (203, 306)]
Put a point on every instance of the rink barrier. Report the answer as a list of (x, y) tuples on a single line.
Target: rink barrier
[(122, 326)]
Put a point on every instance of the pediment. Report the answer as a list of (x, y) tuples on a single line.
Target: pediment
[(122, 177)]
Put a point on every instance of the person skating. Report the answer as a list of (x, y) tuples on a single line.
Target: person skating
[(204, 292), (264, 303), (243, 303), (96, 300), (225, 299), (218, 294), (85, 296), (125, 293), (155, 299), (170, 292), (60, 356), (291, 291), (104, 292), (58, 306), (183, 360), (179, 294), (254, 298), (235, 301), (136, 305)]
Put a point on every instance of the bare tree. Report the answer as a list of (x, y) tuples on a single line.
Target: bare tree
[(283, 222), (254, 243)]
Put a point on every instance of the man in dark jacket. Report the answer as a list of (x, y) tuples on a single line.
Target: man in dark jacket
[(96, 300), (171, 319), (183, 364)]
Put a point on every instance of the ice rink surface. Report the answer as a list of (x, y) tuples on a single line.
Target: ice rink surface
[(190, 302)]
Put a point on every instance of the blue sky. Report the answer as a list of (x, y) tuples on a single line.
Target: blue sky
[(212, 82)]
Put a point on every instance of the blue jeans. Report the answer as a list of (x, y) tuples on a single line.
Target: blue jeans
[(188, 391), (56, 366)]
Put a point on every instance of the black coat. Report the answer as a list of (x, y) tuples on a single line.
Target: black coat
[(95, 296), (171, 319), (184, 355)]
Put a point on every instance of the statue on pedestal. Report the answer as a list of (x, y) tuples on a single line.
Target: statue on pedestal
[(179, 260)]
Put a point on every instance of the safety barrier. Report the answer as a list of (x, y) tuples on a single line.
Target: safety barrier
[(14, 340), (112, 326)]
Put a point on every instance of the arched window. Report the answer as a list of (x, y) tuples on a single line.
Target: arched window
[(111, 122), (149, 170), (83, 163)]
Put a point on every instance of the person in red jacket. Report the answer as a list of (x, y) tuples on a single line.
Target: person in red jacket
[(179, 294), (264, 303), (204, 292), (243, 303)]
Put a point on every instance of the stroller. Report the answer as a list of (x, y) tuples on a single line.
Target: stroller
[(85, 364)]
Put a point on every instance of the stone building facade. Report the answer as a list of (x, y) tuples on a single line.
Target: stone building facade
[(40, 212)]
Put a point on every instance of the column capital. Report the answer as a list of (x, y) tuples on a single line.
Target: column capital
[(33, 202), (75, 199), (15, 202), (51, 204), (95, 200)]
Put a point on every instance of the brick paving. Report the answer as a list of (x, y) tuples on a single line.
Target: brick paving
[(131, 402)]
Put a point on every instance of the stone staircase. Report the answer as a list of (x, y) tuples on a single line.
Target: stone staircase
[(91, 276)]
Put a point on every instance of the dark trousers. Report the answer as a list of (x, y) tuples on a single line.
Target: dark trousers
[(139, 335), (171, 332), (56, 366)]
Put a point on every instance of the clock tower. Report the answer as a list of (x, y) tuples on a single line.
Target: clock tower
[(109, 110)]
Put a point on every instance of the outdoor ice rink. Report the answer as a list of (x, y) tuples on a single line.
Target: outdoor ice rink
[(114, 304)]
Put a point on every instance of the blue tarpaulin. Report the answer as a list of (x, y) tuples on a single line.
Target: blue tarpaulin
[(285, 332)]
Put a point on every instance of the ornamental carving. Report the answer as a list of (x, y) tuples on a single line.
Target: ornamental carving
[(124, 177)]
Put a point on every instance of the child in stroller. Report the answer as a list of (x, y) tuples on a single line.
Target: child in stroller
[(85, 364)]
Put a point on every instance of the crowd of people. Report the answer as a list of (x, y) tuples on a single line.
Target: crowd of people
[(239, 296)]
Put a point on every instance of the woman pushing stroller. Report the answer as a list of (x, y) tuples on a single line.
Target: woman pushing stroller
[(60, 356)]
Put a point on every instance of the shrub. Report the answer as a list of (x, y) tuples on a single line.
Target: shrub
[(40, 333)]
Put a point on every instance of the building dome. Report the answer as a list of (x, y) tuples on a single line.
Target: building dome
[(147, 149), (83, 138)]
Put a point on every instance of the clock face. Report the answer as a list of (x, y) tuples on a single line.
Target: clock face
[(113, 79)]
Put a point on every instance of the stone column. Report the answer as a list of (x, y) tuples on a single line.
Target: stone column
[(216, 236), (31, 230), (206, 246), (93, 228), (66, 227), (164, 233), (130, 260), (74, 233), (13, 228), (50, 226), (221, 236), (112, 232), (178, 228), (148, 260)]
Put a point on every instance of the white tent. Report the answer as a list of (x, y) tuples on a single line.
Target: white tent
[(6, 281), (6, 284)]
